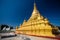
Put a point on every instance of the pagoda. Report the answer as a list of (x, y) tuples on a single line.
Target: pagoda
[(36, 25)]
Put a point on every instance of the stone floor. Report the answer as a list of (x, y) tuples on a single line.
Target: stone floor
[(26, 37)]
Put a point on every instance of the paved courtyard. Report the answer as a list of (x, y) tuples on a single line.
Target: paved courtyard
[(25, 37)]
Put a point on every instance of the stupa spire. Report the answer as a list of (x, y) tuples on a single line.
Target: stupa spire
[(35, 12), (35, 8)]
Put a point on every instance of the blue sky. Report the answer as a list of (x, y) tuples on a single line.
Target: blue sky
[(13, 12)]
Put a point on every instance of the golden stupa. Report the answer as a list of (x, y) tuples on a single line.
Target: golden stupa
[(36, 25)]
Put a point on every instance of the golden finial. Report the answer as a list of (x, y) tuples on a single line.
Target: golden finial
[(24, 20), (34, 5), (16, 27)]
